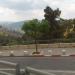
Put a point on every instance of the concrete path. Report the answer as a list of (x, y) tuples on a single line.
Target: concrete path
[(45, 51)]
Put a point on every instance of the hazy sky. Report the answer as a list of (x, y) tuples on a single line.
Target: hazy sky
[(16, 10)]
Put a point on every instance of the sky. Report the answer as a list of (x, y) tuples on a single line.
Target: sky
[(18, 10)]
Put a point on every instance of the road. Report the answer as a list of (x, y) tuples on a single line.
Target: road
[(50, 63)]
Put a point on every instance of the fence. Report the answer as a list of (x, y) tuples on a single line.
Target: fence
[(28, 70), (32, 71), (4, 69)]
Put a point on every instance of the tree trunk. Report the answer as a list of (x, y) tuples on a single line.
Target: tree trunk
[(36, 45)]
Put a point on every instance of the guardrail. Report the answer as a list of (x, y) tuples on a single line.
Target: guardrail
[(5, 73), (17, 68), (29, 71)]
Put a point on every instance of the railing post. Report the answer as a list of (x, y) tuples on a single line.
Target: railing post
[(27, 72), (17, 69), (63, 52)]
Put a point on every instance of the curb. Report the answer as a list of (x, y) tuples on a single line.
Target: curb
[(41, 56)]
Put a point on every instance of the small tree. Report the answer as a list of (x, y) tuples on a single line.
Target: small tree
[(31, 28)]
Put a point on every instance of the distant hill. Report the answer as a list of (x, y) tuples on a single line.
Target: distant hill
[(11, 33), (16, 25), (12, 25)]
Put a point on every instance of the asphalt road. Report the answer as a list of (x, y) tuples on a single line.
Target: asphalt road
[(50, 63)]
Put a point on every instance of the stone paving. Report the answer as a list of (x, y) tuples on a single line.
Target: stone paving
[(45, 51)]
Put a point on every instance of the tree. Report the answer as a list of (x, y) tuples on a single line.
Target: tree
[(31, 28), (52, 16), (68, 28), (44, 29)]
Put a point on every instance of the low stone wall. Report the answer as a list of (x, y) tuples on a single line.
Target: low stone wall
[(32, 46)]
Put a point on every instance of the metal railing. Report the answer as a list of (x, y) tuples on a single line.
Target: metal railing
[(5, 73), (30, 71), (15, 65)]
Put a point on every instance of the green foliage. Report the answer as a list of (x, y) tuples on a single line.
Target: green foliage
[(68, 28), (52, 28), (31, 28), (52, 16), (44, 29)]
